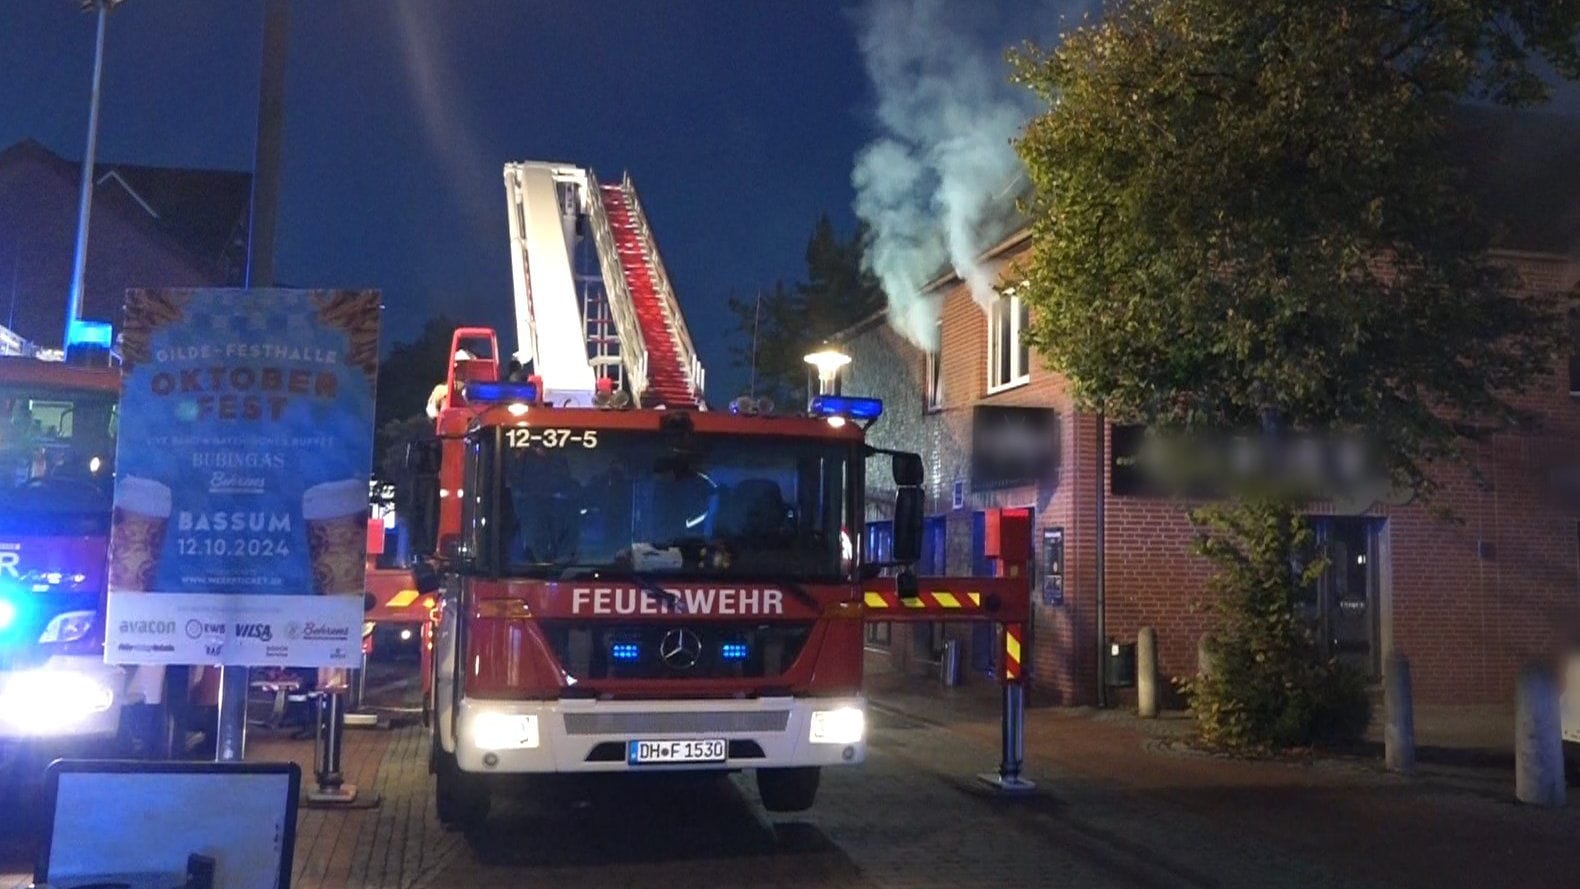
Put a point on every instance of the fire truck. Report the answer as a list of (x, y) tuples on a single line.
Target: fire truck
[(57, 695), (626, 580)]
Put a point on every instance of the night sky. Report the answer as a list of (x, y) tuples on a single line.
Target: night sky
[(738, 120)]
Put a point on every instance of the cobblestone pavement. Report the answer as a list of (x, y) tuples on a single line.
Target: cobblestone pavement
[(1114, 808)]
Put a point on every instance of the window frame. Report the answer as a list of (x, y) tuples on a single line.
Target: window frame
[(933, 368), (1016, 315)]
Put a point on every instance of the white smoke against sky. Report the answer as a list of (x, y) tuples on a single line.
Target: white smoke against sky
[(942, 169)]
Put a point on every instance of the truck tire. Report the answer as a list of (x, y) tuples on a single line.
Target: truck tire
[(460, 799), (788, 790)]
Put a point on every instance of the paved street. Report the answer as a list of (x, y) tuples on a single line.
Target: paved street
[(1118, 805)]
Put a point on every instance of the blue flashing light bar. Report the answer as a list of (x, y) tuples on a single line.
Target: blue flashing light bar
[(846, 406), (733, 651), (8, 614), (625, 651), (500, 392)]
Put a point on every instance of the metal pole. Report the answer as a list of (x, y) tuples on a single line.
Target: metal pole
[(232, 732), (1014, 733), (79, 262), (266, 159), (326, 753), (1102, 566), (230, 743)]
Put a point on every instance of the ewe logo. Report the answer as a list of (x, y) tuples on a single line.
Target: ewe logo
[(260, 632), (197, 629)]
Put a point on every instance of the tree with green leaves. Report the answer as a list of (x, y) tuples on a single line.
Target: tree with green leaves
[(777, 328), (1248, 215)]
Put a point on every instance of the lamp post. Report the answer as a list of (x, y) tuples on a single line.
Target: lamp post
[(79, 262), (827, 360)]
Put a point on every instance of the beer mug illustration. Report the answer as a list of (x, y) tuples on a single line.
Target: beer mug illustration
[(336, 514), (137, 533)]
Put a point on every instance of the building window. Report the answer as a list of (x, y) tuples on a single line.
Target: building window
[(1009, 361), (935, 369)]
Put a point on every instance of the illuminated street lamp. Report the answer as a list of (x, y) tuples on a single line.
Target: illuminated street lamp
[(79, 261), (827, 360)]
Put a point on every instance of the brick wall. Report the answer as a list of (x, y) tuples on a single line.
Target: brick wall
[(1469, 599)]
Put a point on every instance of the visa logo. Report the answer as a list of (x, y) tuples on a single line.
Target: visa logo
[(261, 632)]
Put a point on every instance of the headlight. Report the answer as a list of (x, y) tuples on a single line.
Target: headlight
[(846, 725), (44, 701), (504, 731), (67, 627)]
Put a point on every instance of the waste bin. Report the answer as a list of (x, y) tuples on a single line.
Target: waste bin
[(949, 663), (1119, 664)]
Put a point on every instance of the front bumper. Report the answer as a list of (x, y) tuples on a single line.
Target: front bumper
[(592, 736), (67, 697)]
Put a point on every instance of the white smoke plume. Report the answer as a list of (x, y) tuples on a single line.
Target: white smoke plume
[(942, 170)]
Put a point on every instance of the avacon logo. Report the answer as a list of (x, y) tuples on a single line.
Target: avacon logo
[(147, 627), (261, 632)]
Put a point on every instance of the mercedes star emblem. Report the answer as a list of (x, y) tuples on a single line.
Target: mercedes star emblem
[(680, 649)]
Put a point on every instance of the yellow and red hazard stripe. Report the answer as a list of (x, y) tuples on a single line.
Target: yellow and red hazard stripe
[(1013, 636), (937, 600)]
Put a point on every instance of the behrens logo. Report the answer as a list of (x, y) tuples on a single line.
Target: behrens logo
[(707, 600)]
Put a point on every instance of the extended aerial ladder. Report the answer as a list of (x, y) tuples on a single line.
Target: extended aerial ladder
[(616, 318)]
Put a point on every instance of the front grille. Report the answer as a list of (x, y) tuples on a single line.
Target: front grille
[(585, 649), (666, 723)]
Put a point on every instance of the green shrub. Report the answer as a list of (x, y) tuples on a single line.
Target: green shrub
[(1268, 687)]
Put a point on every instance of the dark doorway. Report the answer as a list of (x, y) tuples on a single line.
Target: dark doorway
[(1345, 606)]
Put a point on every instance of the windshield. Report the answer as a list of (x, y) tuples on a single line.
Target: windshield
[(57, 452), (630, 502)]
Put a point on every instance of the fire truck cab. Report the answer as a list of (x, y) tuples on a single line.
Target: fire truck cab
[(634, 590)]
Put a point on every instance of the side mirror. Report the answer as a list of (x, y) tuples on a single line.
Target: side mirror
[(907, 470), (424, 577), (422, 457), (907, 546), (423, 523)]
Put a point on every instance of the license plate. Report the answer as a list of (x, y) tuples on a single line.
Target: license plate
[(652, 752)]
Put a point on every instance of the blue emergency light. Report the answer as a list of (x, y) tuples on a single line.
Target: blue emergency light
[(625, 651), (733, 651), (846, 406), (500, 392), (8, 612)]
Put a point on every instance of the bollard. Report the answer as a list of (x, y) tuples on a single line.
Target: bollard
[(949, 664), (1147, 673), (332, 788), (1399, 713), (1538, 741)]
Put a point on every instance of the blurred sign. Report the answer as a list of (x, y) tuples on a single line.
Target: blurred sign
[(241, 501), (1012, 446)]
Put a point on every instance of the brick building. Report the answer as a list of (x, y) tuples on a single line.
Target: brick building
[(151, 227), (1469, 601)]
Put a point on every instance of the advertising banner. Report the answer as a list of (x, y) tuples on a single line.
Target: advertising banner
[(241, 492)]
